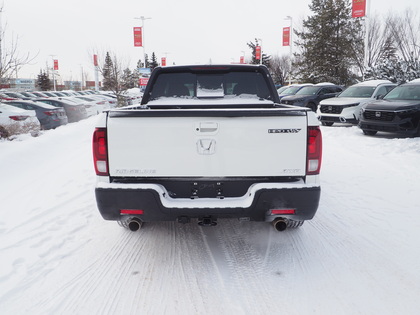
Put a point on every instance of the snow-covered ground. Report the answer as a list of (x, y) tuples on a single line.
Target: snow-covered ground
[(359, 255)]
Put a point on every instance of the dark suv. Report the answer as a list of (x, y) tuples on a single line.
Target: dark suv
[(310, 96), (397, 112)]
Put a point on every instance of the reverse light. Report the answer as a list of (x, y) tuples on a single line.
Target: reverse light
[(314, 154), (100, 152)]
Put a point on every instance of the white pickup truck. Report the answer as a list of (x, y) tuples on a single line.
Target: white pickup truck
[(208, 142)]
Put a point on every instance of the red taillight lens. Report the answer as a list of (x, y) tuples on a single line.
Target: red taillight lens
[(131, 211), (49, 113), (314, 151), (282, 211), (18, 117), (100, 152)]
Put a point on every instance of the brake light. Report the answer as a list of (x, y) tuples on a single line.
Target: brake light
[(100, 152), (18, 117), (314, 154), (49, 113)]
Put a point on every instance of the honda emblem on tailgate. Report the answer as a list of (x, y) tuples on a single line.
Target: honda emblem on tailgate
[(206, 146)]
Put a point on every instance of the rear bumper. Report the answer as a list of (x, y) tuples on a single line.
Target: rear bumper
[(256, 205)]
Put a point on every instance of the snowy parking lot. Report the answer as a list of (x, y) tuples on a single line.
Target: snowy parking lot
[(359, 255)]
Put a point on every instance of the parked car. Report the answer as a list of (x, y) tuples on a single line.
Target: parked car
[(40, 94), (281, 89), (398, 112), (4, 97), (292, 89), (310, 96), (91, 107), (74, 112), (15, 121), (29, 95), (345, 108), (16, 95), (49, 116)]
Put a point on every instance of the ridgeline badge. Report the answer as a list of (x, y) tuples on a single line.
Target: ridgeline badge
[(289, 130)]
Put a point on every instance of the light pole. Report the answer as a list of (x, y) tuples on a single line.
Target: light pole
[(81, 81), (290, 47), (142, 18), (366, 40), (53, 71)]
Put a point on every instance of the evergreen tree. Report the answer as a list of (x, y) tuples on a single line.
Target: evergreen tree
[(108, 74), (147, 65), (255, 61), (329, 43), (153, 62), (43, 82), (128, 80), (395, 69)]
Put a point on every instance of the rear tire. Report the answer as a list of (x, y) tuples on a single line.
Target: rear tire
[(312, 106), (3, 133), (370, 132)]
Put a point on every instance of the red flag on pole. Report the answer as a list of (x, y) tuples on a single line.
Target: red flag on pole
[(138, 38), (163, 61), (286, 36), (95, 60), (358, 8), (55, 64), (258, 52), (242, 59)]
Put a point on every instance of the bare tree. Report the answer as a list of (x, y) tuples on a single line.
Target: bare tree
[(279, 68), (11, 59), (405, 31), (112, 69)]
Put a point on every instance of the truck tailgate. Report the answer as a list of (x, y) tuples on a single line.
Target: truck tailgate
[(207, 145)]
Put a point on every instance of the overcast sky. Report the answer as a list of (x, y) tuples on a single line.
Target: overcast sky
[(185, 31)]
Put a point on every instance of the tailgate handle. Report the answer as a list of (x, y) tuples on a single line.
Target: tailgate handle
[(207, 127)]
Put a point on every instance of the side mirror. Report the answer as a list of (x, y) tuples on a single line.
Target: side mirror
[(379, 97)]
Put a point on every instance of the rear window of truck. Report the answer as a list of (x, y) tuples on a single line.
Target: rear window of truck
[(211, 85)]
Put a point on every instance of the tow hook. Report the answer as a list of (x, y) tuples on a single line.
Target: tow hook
[(280, 224), (207, 221)]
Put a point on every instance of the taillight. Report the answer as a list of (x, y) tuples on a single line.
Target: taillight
[(49, 113), (18, 117), (314, 151), (100, 152)]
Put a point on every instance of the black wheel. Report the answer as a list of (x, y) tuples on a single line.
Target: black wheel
[(291, 224), (327, 123), (417, 134), (312, 106), (3, 132), (369, 132)]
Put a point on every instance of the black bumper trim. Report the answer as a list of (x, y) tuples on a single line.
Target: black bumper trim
[(304, 200)]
